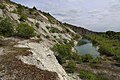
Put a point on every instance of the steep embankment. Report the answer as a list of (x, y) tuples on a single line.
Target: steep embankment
[(31, 59)]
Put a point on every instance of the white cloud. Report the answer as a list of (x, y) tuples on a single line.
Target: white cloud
[(98, 15)]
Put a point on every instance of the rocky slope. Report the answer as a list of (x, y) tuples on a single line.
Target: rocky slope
[(32, 59)]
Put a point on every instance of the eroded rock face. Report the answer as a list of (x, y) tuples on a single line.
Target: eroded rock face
[(15, 17), (12, 68), (44, 59)]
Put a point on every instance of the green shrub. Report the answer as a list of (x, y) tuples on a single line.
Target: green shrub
[(86, 58), (71, 43), (118, 58), (95, 60), (2, 6), (86, 75), (71, 67), (6, 28), (60, 59), (54, 30), (25, 31), (23, 18), (62, 49), (63, 52), (76, 37), (65, 41), (76, 57), (20, 9)]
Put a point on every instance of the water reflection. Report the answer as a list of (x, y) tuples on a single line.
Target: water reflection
[(86, 47)]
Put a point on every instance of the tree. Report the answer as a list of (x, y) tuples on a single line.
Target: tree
[(25, 31)]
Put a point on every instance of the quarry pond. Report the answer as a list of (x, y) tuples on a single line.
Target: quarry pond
[(86, 47)]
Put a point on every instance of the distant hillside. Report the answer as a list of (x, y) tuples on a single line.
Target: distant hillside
[(80, 30)]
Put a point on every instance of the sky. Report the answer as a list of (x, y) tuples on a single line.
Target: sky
[(95, 15)]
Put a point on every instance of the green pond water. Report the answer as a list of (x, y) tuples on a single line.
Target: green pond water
[(86, 47)]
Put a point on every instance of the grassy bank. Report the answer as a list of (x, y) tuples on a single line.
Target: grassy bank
[(108, 46)]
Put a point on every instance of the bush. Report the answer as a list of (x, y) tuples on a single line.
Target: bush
[(6, 28), (23, 18), (95, 60), (118, 58), (20, 9), (104, 49), (63, 50), (2, 6), (76, 37), (86, 75), (60, 59), (71, 67), (76, 57), (65, 41), (71, 43), (25, 31), (86, 58), (54, 30)]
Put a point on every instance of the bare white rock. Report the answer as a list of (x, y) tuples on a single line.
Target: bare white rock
[(1, 13), (44, 59)]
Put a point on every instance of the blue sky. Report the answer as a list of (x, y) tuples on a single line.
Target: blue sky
[(96, 15)]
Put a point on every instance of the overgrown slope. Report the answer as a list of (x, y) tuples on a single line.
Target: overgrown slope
[(25, 45)]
